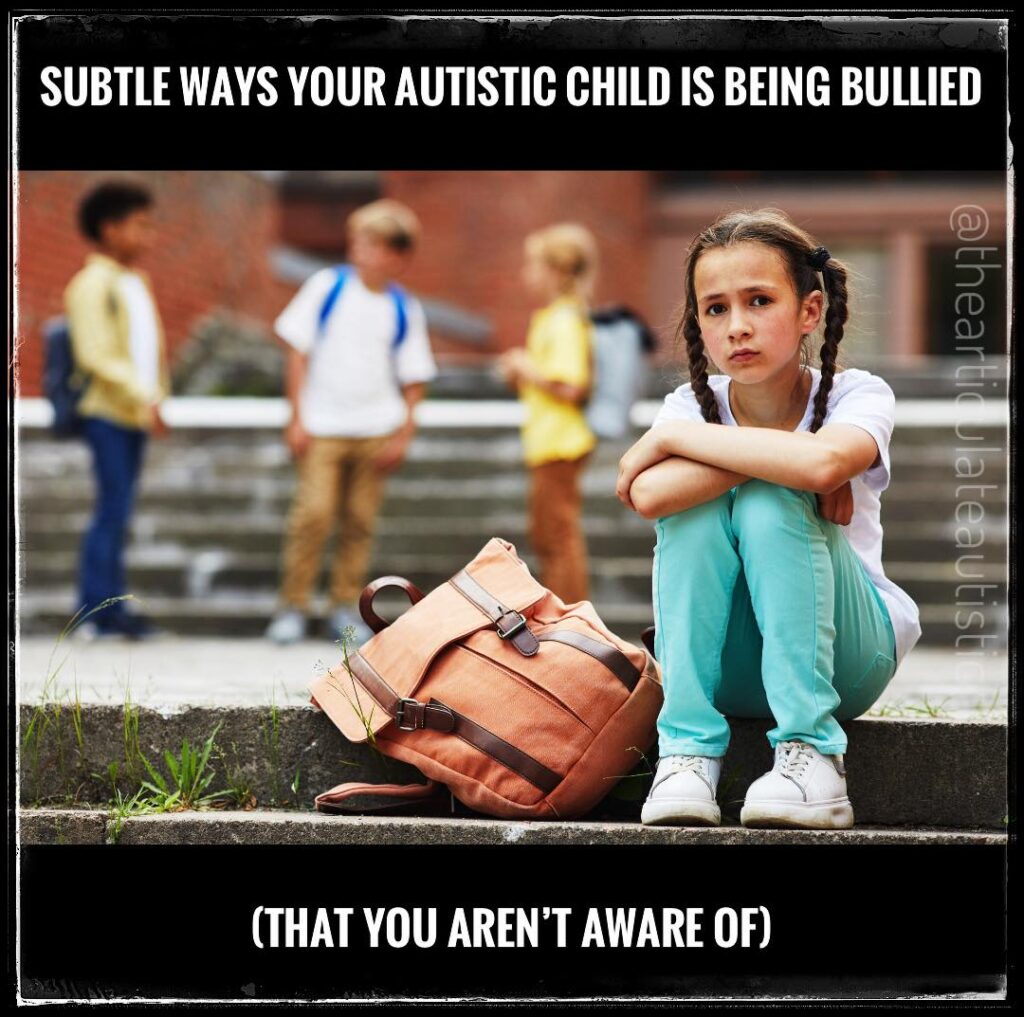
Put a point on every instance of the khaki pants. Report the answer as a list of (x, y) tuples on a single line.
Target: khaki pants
[(556, 531), (338, 484)]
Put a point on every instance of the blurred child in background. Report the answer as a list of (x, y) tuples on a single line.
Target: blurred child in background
[(553, 377), (358, 365), (118, 345)]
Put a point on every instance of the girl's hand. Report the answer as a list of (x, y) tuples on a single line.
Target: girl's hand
[(837, 505), (513, 365), (643, 455)]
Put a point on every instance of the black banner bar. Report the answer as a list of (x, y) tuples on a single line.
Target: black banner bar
[(671, 136), (844, 920)]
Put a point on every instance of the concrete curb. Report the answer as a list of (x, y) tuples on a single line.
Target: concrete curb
[(62, 826), (909, 773), (56, 826)]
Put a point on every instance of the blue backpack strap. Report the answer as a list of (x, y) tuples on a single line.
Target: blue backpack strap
[(399, 298), (397, 294), (341, 274)]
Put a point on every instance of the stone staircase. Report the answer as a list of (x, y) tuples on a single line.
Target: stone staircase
[(204, 556)]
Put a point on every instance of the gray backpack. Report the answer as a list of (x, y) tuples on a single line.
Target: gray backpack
[(621, 341)]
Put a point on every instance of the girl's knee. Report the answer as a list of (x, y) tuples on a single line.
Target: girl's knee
[(759, 504), (711, 514)]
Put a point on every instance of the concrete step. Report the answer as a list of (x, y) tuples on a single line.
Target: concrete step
[(241, 611), (449, 458), (454, 497), (909, 773), (616, 532), (84, 826), (213, 504), (204, 456), (483, 424), (179, 572)]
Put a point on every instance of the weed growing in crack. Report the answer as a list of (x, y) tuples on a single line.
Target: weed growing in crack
[(270, 731), (190, 779), (239, 782), (353, 693), (123, 808)]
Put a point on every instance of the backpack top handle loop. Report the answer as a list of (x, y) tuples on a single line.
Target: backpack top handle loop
[(376, 623)]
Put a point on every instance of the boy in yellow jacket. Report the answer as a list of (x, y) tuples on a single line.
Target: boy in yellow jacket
[(118, 344)]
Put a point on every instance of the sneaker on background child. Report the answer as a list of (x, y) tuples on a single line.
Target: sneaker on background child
[(358, 364)]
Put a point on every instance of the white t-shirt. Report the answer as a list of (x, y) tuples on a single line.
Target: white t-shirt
[(354, 382), (857, 397), (143, 334)]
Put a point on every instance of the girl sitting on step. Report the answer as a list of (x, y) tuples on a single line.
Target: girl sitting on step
[(769, 594)]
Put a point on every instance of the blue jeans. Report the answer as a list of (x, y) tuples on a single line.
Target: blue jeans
[(763, 609), (117, 461)]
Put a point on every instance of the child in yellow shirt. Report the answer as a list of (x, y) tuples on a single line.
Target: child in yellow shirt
[(553, 376)]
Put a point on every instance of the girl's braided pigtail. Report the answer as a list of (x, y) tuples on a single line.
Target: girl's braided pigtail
[(833, 275), (699, 367)]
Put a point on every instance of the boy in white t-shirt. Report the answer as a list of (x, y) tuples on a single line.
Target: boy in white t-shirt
[(358, 364)]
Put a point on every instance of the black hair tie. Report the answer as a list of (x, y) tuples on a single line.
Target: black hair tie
[(818, 258)]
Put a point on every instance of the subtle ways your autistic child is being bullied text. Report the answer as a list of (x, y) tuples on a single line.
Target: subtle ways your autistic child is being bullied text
[(509, 86)]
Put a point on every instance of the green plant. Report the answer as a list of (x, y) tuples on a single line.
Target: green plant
[(930, 709), (124, 808), (729, 778), (110, 777), (632, 786), (239, 783), (54, 713), (348, 636), (351, 696), (130, 736), (894, 709), (189, 781), (47, 725), (995, 706), (270, 731)]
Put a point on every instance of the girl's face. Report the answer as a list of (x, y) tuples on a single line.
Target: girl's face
[(541, 281), (748, 312)]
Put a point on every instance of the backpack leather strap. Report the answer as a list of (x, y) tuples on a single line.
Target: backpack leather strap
[(432, 792), (612, 658), (410, 715), (510, 625), (376, 623)]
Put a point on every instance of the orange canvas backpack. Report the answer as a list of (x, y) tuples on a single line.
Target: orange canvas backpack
[(523, 706)]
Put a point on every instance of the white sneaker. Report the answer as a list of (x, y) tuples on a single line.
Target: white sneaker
[(683, 792), (804, 788), (286, 627)]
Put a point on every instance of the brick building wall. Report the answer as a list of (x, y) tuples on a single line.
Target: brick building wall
[(474, 224), (215, 229)]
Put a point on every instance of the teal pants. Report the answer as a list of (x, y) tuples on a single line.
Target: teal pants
[(762, 609)]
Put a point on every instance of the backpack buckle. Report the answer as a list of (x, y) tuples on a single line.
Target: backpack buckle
[(400, 709), (514, 629)]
